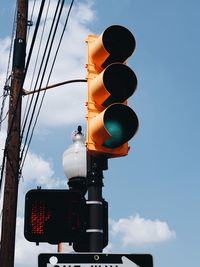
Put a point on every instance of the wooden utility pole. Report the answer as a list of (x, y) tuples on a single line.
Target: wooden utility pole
[(12, 148)]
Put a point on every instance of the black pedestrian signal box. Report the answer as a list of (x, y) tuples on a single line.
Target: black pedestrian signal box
[(54, 216)]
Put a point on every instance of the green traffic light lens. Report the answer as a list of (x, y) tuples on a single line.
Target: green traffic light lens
[(121, 123), (115, 129)]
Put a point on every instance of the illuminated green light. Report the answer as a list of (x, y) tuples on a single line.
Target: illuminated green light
[(121, 123), (116, 131)]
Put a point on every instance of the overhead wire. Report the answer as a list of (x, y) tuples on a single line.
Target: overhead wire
[(23, 78), (47, 48), (19, 94), (5, 94), (25, 117), (4, 97), (30, 21), (3, 119), (39, 72), (2, 172), (54, 60), (26, 67), (11, 45), (8, 76)]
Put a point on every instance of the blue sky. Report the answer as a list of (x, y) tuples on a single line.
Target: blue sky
[(156, 187)]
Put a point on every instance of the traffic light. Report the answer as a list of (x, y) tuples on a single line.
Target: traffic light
[(111, 123), (54, 216)]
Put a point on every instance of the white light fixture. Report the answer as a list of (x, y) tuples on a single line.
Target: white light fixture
[(74, 161)]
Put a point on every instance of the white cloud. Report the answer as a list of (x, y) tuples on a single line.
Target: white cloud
[(84, 12), (26, 253), (108, 248), (2, 141), (136, 230), (37, 172), (62, 105), (65, 105), (4, 50)]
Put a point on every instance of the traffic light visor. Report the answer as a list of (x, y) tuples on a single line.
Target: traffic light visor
[(115, 44), (114, 85), (114, 126), (118, 42)]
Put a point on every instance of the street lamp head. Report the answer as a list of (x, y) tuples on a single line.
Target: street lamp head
[(74, 162)]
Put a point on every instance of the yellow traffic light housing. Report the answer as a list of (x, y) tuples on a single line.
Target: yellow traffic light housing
[(111, 123)]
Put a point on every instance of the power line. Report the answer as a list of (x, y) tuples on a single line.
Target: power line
[(6, 90), (8, 76), (61, 37), (25, 117), (2, 172), (55, 56), (40, 69), (30, 21), (19, 94), (4, 96), (13, 141), (11, 46)]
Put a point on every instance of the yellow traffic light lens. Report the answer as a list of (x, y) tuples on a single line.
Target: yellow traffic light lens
[(121, 123)]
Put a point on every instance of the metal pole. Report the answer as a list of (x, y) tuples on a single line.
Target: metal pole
[(12, 148), (96, 165)]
